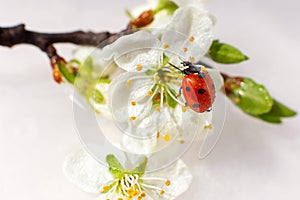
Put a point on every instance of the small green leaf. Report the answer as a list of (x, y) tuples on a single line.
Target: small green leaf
[(251, 97), (270, 118), (277, 112), (225, 53), (170, 100), (140, 170), (67, 74), (281, 110), (167, 5), (115, 166)]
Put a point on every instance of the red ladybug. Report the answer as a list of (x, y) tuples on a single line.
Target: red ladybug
[(198, 87)]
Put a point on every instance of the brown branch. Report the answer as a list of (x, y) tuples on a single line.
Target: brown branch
[(11, 36)]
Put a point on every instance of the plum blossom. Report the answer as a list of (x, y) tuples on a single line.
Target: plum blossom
[(91, 176)]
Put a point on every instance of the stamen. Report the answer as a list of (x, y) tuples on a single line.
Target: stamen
[(158, 109), (209, 126), (168, 183), (157, 134), (167, 138), (166, 45), (183, 108), (133, 103), (185, 49), (106, 188), (161, 192), (157, 78), (132, 118), (167, 79), (129, 83), (150, 93), (143, 195), (192, 39), (139, 67), (192, 59)]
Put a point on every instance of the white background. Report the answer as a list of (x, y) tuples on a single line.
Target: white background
[(253, 160)]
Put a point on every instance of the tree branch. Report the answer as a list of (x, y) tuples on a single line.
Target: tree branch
[(11, 36)]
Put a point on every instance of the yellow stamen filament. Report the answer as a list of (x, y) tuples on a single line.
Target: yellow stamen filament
[(209, 126), (168, 183), (166, 45), (132, 118), (133, 103), (150, 93), (120, 198), (129, 83), (157, 134), (139, 67), (166, 138), (192, 39), (185, 49), (192, 59), (161, 192)]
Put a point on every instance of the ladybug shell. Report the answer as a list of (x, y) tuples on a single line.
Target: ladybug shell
[(199, 92)]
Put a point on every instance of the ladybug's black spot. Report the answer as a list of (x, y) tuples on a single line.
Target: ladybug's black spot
[(196, 105), (201, 75), (201, 91), (188, 89)]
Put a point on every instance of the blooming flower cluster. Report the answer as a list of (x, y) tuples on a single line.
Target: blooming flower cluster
[(146, 105)]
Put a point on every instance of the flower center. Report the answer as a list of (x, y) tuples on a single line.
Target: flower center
[(133, 187)]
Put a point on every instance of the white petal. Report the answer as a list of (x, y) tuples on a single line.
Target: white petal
[(101, 108), (147, 121), (217, 78), (135, 49), (85, 172), (197, 3), (189, 22), (180, 177), (101, 67)]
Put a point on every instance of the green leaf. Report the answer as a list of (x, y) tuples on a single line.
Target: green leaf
[(276, 113), (225, 53), (167, 5), (251, 97), (115, 166), (170, 100), (140, 170), (67, 74)]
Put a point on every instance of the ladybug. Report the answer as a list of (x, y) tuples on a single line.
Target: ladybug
[(197, 87)]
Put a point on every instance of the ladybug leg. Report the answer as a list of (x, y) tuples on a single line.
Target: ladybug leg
[(209, 110), (179, 92)]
